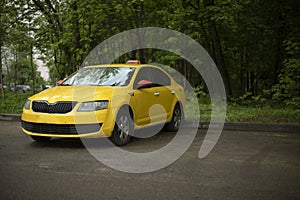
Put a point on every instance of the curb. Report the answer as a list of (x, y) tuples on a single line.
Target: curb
[(10, 117), (234, 126), (245, 126)]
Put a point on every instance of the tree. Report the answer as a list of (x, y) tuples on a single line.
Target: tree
[(247, 39)]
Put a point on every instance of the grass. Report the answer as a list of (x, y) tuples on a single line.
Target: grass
[(262, 114), (252, 111), (258, 112), (13, 102)]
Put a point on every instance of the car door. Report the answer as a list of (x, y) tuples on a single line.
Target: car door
[(166, 94), (143, 99)]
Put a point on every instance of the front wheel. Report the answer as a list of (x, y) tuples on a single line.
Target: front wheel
[(123, 128), (177, 117)]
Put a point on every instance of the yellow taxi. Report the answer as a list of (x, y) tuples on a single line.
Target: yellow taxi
[(105, 101)]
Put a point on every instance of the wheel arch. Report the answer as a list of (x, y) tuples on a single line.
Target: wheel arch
[(180, 104), (125, 107)]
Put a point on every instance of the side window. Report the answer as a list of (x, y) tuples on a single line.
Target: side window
[(156, 76), (143, 74), (159, 77)]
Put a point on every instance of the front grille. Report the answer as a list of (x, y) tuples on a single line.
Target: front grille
[(58, 107), (61, 129)]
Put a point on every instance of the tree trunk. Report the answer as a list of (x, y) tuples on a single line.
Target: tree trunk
[(217, 48), (1, 44), (16, 71), (1, 74), (281, 34), (32, 68)]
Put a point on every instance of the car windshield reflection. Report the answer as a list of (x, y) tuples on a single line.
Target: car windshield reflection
[(101, 76)]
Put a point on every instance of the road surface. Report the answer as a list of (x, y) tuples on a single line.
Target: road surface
[(243, 165)]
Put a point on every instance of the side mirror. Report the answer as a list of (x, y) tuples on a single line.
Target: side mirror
[(59, 82), (144, 84)]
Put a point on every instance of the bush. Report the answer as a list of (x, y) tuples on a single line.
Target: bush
[(13, 102)]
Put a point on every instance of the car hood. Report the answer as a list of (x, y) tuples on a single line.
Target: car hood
[(76, 93)]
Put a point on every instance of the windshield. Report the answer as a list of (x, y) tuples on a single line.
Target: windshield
[(101, 76)]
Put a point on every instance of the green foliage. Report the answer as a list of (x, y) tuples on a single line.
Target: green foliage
[(13, 102), (255, 44), (244, 109), (198, 104), (262, 114), (17, 45), (288, 87)]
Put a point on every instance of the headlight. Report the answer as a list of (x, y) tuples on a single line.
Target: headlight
[(92, 106), (27, 105)]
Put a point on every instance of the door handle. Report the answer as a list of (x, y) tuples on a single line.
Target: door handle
[(156, 93)]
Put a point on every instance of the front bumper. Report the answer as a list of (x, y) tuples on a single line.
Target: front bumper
[(70, 125), (61, 129)]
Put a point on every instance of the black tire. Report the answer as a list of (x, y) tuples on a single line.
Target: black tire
[(123, 128), (40, 138), (177, 118)]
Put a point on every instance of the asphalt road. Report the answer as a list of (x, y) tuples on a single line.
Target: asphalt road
[(243, 165)]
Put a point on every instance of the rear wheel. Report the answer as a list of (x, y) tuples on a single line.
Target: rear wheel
[(123, 128), (40, 138), (177, 117)]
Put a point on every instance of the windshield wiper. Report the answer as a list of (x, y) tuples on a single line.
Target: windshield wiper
[(114, 84), (94, 85)]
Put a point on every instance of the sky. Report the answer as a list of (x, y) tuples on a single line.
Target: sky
[(43, 69)]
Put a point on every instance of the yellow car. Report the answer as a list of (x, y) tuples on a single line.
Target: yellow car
[(105, 101)]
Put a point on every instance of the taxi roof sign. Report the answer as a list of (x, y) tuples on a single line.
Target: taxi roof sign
[(137, 62)]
